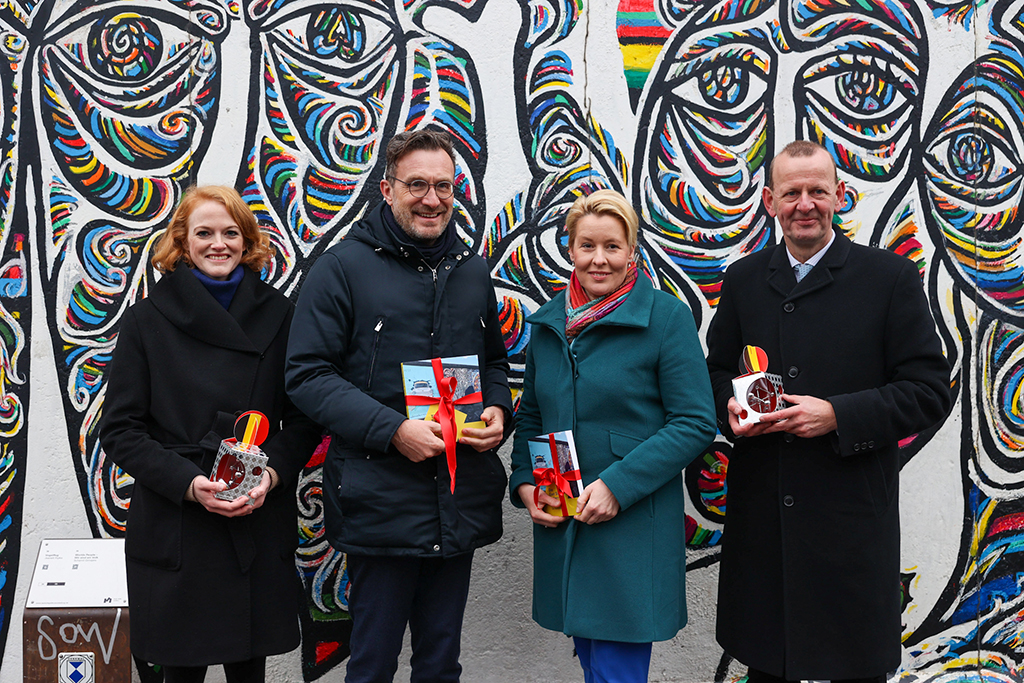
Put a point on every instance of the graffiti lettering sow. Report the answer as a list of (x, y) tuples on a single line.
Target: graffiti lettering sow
[(109, 109)]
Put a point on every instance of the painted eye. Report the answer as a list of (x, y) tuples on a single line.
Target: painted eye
[(863, 103), (337, 33), (126, 47), (865, 91), (975, 157), (859, 86), (972, 159), (726, 82), (724, 85), (132, 48)]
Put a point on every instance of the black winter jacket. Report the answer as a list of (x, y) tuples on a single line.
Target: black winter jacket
[(369, 304)]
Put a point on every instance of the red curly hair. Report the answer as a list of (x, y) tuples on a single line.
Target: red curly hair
[(173, 245)]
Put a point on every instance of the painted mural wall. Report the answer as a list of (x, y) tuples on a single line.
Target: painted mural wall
[(109, 109)]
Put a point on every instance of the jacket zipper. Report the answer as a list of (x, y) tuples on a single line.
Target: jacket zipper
[(433, 271), (373, 352)]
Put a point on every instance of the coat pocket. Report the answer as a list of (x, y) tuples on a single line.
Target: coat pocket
[(153, 535), (623, 444)]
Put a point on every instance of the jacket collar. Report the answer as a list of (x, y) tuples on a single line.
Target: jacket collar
[(635, 311), (251, 324), (371, 230), (782, 279)]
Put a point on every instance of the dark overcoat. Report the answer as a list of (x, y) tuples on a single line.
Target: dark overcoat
[(369, 304), (634, 390), (809, 586), (203, 588)]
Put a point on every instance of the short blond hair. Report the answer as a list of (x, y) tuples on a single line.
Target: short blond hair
[(604, 203), (798, 149), (173, 245)]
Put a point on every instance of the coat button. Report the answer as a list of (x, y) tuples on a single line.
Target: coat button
[(856, 447), (420, 269), (437, 548), (793, 371), (789, 307), (458, 257), (788, 501), (871, 444), (465, 253), (788, 438)]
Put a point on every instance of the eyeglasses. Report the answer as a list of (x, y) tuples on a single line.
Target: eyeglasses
[(419, 188)]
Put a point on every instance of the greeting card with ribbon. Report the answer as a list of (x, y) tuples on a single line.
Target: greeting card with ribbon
[(556, 469), (240, 462), (447, 391), (757, 391)]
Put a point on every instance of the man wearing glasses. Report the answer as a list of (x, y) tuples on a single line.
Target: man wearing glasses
[(402, 287)]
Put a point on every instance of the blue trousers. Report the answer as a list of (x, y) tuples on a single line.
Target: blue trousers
[(608, 661), (428, 594)]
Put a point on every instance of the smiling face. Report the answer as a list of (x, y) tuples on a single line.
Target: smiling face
[(600, 253), (422, 218), (802, 198), (215, 243)]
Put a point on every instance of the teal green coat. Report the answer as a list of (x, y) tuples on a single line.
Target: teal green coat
[(634, 390)]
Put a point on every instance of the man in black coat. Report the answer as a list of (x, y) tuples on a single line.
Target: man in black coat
[(402, 287), (809, 584)]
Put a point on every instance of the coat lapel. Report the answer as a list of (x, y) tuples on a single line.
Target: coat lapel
[(780, 275), (782, 279), (821, 275), (250, 324)]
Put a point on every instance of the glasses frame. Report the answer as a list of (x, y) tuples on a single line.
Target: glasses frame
[(408, 185)]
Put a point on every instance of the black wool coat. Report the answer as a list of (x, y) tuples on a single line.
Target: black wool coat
[(369, 304), (202, 588), (809, 583)]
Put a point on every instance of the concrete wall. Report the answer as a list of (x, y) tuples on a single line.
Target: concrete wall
[(109, 109)]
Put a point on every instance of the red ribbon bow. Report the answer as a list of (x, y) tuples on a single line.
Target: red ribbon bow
[(445, 414), (552, 476)]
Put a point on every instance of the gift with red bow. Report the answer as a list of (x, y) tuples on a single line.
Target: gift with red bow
[(556, 470), (447, 391)]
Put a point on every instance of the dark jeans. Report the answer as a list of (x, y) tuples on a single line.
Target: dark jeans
[(755, 676), (250, 671), (428, 594)]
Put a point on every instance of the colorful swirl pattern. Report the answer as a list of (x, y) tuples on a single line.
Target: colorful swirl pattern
[(15, 308), (124, 99), (974, 170)]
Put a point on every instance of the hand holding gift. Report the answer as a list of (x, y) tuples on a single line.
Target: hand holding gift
[(240, 463), (556, 471), (446, 391), (756, 392)]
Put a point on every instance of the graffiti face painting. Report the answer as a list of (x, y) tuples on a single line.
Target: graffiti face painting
[(111, 108)]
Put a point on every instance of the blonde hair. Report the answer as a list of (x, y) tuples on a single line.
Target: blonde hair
[(173, 245), (604, 203), (798, 149)]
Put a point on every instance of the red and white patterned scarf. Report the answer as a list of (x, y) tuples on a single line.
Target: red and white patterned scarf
[(581, 310)]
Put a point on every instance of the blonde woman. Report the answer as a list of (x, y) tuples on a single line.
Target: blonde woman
[(620, 365)]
